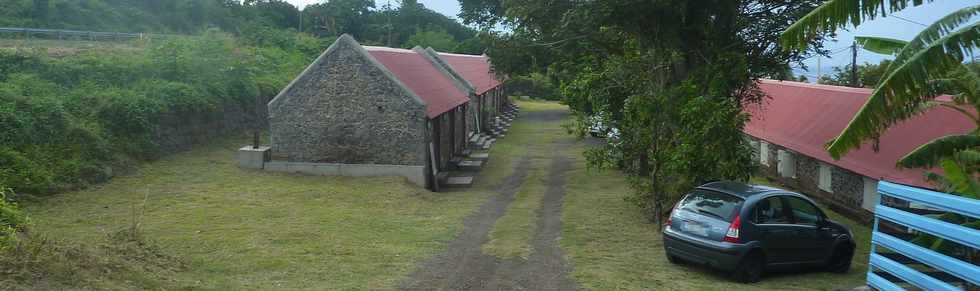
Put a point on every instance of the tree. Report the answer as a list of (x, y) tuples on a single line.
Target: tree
[(672, 75), (435, 38), (868, 75)]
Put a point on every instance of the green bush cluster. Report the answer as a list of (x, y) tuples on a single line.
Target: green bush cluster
[(67, 121), (535, 85), (12, 219)]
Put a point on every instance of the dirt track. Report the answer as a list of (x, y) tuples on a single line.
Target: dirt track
[(464, 266)]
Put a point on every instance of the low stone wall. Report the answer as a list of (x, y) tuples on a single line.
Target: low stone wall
[(181, 131), (414, 174)]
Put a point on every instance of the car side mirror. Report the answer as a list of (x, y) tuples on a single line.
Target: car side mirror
[(823, 223)]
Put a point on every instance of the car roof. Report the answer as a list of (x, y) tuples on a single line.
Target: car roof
[(740, 189)]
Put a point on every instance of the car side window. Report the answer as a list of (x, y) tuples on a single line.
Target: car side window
[(771, 210), (804, 212)]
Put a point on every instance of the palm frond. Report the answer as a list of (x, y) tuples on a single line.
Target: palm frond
[(836, 14), (906, 87), (968, 157), (934, 32), (963, 183), (931, 153), (881, 45)]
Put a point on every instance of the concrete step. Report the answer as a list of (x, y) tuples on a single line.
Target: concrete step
[(458, 182), (479, 156), (467, 152), (469, 165), (486, 146)]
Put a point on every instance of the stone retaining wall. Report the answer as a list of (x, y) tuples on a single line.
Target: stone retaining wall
[(178, 132)]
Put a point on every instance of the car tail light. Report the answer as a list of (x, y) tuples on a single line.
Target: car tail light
[(732, 235), (672, 210)]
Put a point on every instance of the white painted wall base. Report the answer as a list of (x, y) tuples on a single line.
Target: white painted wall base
[(415, 174)]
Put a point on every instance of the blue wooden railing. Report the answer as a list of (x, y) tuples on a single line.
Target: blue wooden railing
[(962, 235)]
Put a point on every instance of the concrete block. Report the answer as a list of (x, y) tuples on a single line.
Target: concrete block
[(470, 164), (459, 181), (481, 156), (253, 158)]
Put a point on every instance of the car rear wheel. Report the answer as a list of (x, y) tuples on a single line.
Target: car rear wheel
[(750, 269), (840, 261), (673, 259)]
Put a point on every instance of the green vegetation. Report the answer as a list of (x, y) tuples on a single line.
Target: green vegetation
[(533, 84), (12, 220), (672, 76), (868, 75), (240, 229), (75, 120), (407, 25)]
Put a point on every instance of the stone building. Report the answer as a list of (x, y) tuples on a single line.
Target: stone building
[(368, 111), (789, 130)]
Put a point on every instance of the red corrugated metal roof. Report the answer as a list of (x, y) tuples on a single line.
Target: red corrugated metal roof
[(422, 77), (475, 69), (803, 117)]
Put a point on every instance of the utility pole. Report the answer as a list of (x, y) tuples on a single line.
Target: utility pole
[(854, 68), (818, 70), (301, 20)]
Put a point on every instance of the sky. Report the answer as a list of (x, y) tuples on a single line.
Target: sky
[(892, 27), (446, 7)]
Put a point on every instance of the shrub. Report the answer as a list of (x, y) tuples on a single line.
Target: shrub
[(12, 219), (64, 122)]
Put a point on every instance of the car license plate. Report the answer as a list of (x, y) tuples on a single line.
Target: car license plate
[(697, 229)]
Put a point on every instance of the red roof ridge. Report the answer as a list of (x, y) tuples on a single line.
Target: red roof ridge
[(818, 86), (387, 49)]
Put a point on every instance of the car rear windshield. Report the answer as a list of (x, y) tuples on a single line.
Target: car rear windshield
[(718, 205)]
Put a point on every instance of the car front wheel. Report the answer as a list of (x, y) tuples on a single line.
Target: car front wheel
[(750, 269), (840, 261)]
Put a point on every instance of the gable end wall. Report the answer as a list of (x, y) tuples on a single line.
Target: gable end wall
[(346, 108)]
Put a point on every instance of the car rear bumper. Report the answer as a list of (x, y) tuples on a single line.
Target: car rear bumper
[(720, 255)]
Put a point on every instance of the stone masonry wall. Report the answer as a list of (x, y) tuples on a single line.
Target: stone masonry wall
[(345, 109), (848, 186), (181, 131)]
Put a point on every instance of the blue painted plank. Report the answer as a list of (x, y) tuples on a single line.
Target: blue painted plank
[(882, 284), (948, 202), (955, 267), (960, 234), (909, 275)]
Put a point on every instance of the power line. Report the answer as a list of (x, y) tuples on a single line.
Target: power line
[(909, 20)]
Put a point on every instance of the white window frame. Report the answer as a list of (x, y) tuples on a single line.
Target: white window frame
[(764, 153), (787, 164), (870, 197), (825, 178)]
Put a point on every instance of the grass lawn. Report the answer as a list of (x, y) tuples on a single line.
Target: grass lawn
[(242, 229)]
